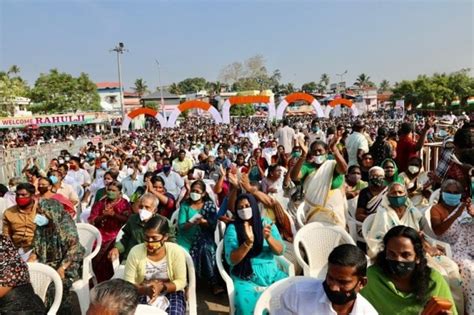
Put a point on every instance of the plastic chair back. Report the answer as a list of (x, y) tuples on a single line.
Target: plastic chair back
[(41, 276), (318, 241), (269, 301)]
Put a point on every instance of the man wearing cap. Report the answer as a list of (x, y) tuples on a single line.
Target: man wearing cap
[(356, 143)]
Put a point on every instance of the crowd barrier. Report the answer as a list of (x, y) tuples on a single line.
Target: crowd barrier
[(430, 155), (12, 161)]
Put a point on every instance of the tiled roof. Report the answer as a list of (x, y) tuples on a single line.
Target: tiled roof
[(107, 85)]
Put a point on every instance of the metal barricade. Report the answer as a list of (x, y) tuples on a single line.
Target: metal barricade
[(12, 161), (430, 155)]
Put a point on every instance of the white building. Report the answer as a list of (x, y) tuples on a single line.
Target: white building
[(109, 93)]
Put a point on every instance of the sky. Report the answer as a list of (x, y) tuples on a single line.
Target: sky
[(391, 40)]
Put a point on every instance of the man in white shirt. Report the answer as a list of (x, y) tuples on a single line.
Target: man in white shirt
[(286, 136), (337, 294), (132, 182), (173, 182), (356, 143)]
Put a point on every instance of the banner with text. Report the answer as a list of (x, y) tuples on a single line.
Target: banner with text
[(53, 120)]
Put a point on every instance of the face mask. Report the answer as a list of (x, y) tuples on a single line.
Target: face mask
[(451, 200), (195, 196), (399, 268), (354, 178), (61, 161), (103, 165), (42, 190), (167, 168), (112, 195), (144, 214), (91, 155), (245, 213), (53, 179), (338, 297), (153, 246), (296, 154), (397, 202), (413, 169), (320, 159), (130, 171), (376, 181), (23, 201), (41, 220), (67, 158), (12, 188)]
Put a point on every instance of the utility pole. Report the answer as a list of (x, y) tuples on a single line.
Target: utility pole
[(120, 49), (161, 89)]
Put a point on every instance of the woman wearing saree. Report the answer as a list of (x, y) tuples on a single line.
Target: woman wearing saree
[(196, 224), (323, 179), (416, 185), (396, 209), (108, 215), (391, 172), (250, 244), (451, 219), (45, 186), (56, 244), (371, 196)]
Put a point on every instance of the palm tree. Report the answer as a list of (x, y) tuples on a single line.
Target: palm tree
[(140, 87), (13, 70), (325, 79), (173, 88), (363, 81), (384, 86)]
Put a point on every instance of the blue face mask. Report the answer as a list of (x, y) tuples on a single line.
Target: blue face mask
[(451, 200), (103, 165), (397, 202), (53, 179), (41, 220)]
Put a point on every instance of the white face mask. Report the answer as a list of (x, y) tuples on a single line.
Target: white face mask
[(245, 213), (319, 159), (144, 214), (413, 169), (195, 196), (130, 171)]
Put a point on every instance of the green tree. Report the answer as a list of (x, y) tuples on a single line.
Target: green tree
[(140, 87), (10, 88), (384, 86), (14, 69), (59, 92), (173, 88), (363, 81), (309, 87), (244, 110), (324, 80)]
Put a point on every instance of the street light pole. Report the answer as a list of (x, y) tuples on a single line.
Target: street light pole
[(120, 49), (161, 89)]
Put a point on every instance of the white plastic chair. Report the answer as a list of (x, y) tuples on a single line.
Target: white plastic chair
[(89, 236), (282, 262), (191, 298), (366, 225), (174, 218), (270, 299), (300, 215), (219, 232), (434, 197), (41, 276), (318, 241), (143, 309)]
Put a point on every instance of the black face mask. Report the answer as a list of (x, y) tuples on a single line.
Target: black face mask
[(338, 297), (401, 268)]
